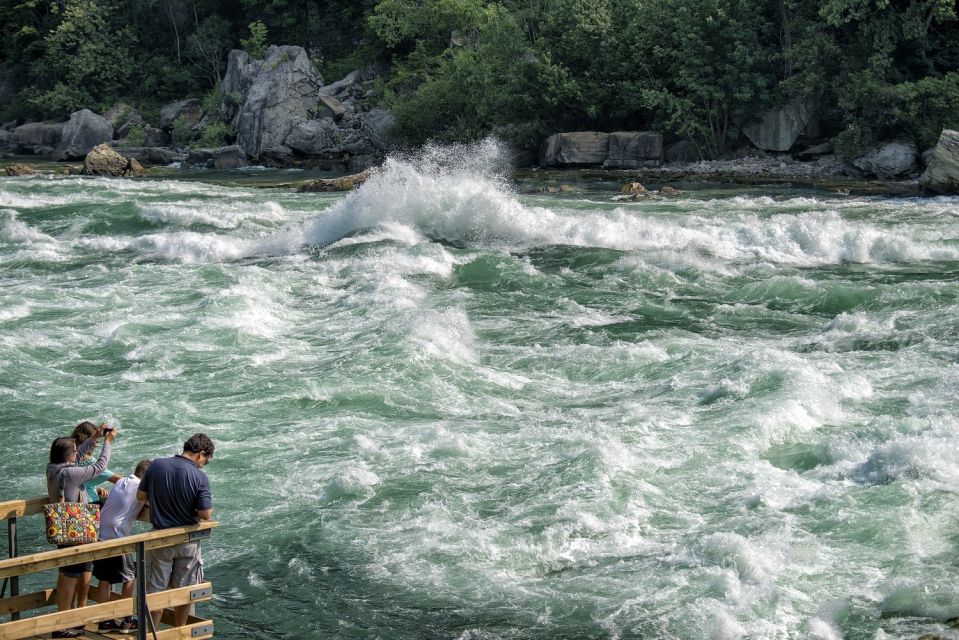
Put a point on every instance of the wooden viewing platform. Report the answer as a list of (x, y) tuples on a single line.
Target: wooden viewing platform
[(43, 624)]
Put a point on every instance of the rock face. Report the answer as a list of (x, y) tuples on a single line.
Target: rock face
[(942, 171), (889, 160), (330, 107), (377, 124), (37, 137), (634, 149), (273, 95), (81, 133), (6, 141), (104, 161), (190, 110), (344, 183), (576, 148), (779, 128), (682, 151)]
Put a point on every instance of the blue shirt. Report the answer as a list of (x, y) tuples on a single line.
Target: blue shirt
[(177, 489)]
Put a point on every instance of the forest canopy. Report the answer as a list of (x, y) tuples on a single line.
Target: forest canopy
[(458, 70)]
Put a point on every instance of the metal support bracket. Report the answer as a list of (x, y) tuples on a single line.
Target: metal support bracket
[(204, 593), (202, 630), (200, 535)]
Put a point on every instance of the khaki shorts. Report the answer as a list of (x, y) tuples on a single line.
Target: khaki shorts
[(171, 567)]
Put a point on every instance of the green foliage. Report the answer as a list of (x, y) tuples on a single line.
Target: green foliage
[(255, 45), (136, 136), (183, 133), (216, 134)]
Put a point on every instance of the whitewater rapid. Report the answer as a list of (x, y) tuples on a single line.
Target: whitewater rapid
[(446, 407)]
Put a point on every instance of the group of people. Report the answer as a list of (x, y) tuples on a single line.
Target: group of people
[(177, 494)]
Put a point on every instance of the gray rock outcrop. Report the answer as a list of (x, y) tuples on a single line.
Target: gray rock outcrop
[(682, 151), (634, 149), (942, 171), (229, 157), (272, 95), (779, 128), (190, 110), (325, 139), (889, 160), (6, 141), (575, 148), (151, 155), (104, 161), (81, 133), (37, 137), (123, 117), (378, 125)]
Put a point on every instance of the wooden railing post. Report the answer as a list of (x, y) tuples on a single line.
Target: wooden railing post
[(143, 612), (12, 543)]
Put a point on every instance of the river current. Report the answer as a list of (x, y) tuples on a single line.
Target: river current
[(449, 406)]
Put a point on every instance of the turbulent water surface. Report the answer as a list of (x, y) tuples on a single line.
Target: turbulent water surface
[(450, 407)]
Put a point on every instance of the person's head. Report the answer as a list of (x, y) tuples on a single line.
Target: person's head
[(141, 468), (63, 450), (83, 432), (201, 447)]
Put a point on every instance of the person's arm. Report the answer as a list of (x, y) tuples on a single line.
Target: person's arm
[(81, 475), (144, 487), (204, 501)]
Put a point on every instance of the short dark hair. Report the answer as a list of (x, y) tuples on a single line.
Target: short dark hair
[(83, 432), (199, 443), (141, 468), (61, 449)]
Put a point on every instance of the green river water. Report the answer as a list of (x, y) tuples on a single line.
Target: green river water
[(449, 406)]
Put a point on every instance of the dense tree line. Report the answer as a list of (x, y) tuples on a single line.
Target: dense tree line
[(460, 69)]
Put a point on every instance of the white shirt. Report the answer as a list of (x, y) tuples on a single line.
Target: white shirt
[(120, 509)]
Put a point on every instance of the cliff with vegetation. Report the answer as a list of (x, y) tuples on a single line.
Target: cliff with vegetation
[(715, 75)]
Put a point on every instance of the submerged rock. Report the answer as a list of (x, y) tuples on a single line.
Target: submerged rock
[(633, 189), (19, 170), (344, 183)]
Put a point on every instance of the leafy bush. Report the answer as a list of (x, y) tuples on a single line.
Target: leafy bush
[(183, 133), (216, 134), (255, 45), (136, 136)]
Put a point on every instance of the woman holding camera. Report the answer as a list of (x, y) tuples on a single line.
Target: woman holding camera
[(66, 479)]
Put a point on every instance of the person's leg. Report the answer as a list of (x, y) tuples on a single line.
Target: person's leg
[(187, 571), (128, 588), (102, 591), (159, 567), (66, 589), (83, 588)]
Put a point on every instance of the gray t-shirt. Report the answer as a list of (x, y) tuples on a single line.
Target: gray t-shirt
[(74, 476)]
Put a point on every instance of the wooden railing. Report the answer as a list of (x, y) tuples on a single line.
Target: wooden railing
[(15, 566)]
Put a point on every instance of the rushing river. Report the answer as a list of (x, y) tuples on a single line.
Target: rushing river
[(447, 406)]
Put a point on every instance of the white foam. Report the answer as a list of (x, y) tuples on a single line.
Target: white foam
[(224, 215)]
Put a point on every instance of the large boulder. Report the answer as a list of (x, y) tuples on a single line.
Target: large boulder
[(942, 170), (189, 110), (779, 128), (324, 139), (330, 107), (19, 169), (37, 137), (6, 141), (81, 133), (104, 161), (377, 125), (889, 160), (576, 148), (273, 95), (634, 149), (231, 157)]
